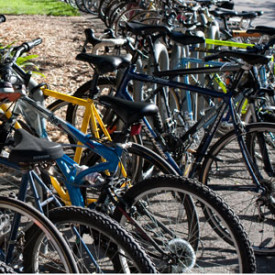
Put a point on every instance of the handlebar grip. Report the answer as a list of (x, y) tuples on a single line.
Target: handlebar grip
[(2, 18), (32, 44)]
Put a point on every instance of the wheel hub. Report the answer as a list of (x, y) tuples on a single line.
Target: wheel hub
[(184, 254)]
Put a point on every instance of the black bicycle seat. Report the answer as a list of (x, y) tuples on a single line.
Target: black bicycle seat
[(104, 63), (144, 29), (31, 149), (231, 13), (129, 111), (250, 58)]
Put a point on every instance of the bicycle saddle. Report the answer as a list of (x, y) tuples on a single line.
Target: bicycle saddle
[(104, 63), (231, 13), (250, 58), (144, 29), (184, 39), (30, 149), (129, 111)]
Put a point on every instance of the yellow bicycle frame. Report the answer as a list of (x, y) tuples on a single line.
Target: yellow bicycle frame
[(91, 117)]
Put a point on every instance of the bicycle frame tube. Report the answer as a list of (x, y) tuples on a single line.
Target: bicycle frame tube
[(108, 153), (130, 74), (90, 115)]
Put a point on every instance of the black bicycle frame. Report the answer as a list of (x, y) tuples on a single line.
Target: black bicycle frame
[(227, 104)]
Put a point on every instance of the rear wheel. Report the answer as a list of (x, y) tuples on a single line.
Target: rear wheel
[(186, 240)]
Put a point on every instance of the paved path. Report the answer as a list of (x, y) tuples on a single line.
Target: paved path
[(268, 6)]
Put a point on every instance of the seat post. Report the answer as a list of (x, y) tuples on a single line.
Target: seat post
[(94, 90)]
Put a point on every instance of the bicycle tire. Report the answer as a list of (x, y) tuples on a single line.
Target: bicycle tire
[(225, 171), (112, 6), (125, 6), (80, 5), (105, 239), (102, 8), (72, 3), (91, 6), (10, 207), (175, 189)]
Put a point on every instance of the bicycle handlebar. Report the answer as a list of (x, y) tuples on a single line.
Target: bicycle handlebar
[(2, 18), (23, 48), (18, 51), (98, 43), (30, 45)]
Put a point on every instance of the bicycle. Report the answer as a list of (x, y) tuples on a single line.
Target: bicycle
[(141, 201), (124, 249), (110, 198), (212, 115)]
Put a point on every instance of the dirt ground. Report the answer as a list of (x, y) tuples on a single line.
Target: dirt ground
[(62, 37)]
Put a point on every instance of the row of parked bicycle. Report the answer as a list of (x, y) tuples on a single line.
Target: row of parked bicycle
[(160, 140), (86, 6)]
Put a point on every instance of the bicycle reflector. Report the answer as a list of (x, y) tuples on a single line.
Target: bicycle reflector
[(136, 129)]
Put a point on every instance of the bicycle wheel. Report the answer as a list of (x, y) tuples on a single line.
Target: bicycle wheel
[(57, 258), (158, 206), (111, 247), (112, 7), (120, 9), (226, 173), (102, 8), (80, 5), (91, 6)]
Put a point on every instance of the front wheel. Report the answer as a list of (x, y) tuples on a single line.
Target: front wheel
[(186, 241), (18, 217), (226, 173), (99, 244)]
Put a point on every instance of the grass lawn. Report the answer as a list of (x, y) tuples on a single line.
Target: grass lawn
[(45, 7)]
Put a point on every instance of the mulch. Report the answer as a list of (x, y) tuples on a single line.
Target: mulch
[(62, 37)]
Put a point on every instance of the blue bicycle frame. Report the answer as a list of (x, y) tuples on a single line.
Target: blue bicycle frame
[(68, 167), (29, 179)]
